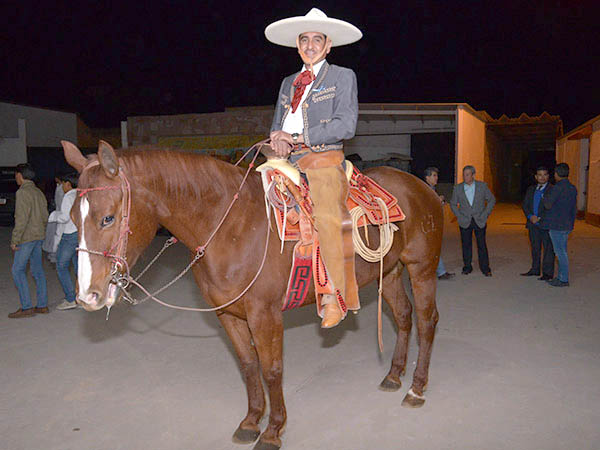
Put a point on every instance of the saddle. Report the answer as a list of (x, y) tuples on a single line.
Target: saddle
[(288, 195)]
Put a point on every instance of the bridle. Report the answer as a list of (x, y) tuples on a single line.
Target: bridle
[(117, 253), (120, 274)]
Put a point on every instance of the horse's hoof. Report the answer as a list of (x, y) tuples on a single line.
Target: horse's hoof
[(266, 446), (389, 385), (412, 400), (243, 436)]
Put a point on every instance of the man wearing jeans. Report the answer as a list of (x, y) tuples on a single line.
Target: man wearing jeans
[(561, 206), (31, 216), (66, 234)]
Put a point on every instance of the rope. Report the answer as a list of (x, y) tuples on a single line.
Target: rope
[(386, 234), (188, 267), (386, 239)]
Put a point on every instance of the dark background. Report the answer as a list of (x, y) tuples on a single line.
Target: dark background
[(109, 60)]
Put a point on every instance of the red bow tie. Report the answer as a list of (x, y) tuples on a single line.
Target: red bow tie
[(300, 83)]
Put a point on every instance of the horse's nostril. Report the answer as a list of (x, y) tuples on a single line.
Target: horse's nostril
[(91, 298)]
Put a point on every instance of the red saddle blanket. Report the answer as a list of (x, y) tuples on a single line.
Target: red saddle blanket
[(293, 212), (363, 192)]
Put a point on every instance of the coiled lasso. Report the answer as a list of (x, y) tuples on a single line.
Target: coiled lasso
[(386, 239)]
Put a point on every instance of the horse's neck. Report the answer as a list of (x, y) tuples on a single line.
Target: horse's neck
[(194, 212)]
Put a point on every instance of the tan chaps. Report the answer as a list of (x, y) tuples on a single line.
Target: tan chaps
[(329, 192)]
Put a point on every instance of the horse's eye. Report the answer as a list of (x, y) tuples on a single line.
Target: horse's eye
[(107, 220)]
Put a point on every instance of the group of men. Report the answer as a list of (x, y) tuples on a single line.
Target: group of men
[(31, 219), (550, 212)]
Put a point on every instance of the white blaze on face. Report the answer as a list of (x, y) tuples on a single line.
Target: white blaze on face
[(84, 269)]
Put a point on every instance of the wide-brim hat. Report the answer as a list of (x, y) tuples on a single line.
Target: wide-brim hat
[(285, 31)]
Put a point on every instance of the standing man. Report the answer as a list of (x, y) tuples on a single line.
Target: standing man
[(431, 178), (66, 235), (561, 207), (31, 216), (316, 110), (538, 236), (472, 203)]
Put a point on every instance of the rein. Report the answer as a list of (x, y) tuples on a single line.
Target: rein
[(120, 273)]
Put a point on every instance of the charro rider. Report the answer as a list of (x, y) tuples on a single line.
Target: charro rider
[(317, 109)]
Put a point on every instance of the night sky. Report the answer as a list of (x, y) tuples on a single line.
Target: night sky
[(109, 60)]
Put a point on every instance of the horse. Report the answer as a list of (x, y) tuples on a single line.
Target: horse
[(188, 194)]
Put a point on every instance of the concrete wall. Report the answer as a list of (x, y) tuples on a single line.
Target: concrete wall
[(13, 150), (470, 144), (379, 136), (45, 128), (593, 189), (150, 129), (378, 146)]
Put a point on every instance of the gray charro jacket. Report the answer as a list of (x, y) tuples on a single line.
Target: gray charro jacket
[(330, 110), (483, 203)]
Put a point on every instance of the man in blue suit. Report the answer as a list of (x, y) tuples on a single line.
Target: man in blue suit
[(538, 236)]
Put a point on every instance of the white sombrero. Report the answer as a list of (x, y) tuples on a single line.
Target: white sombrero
[(285, 31)]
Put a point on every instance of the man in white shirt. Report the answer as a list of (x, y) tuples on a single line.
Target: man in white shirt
[(66, 234), (316, 110)]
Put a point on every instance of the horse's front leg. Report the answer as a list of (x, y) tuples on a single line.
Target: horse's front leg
[(239, 333), (424, 284), (266, 325)]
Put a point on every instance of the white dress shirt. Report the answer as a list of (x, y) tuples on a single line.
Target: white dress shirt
[(470, 192), (294, 122)]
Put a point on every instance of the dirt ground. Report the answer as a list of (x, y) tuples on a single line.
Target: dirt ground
[(515, 365)]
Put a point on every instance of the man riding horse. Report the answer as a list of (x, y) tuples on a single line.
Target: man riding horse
[(316, 110)]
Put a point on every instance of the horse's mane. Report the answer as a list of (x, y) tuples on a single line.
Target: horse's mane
[(181, 174)]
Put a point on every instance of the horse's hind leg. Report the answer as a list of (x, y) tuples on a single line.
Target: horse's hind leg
[(395, 296), (266, 325), (239, 333), (424, 285)]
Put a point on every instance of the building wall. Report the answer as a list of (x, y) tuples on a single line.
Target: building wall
[(45, 128), (593, 201), (13, 150), (373, 147), (470, 144), (150, 129)]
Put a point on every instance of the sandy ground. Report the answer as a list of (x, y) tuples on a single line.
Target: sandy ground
[(515, 365)]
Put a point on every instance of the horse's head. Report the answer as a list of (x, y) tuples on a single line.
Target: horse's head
[(100, 216)]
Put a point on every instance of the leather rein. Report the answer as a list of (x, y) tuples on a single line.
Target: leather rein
[(120, 274)]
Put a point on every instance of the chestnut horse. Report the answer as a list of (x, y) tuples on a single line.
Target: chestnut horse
[(188, 194)]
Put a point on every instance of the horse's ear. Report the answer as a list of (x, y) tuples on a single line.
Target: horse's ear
[(108, 159), (74, 156)]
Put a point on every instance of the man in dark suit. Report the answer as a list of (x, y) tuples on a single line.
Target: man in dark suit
[(561, 207), (472, 203), (538, 236)]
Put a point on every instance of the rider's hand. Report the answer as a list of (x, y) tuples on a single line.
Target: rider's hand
[(281, 148), (281, 135)]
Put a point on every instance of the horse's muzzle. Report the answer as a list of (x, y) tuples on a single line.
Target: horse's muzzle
[(94, 300)]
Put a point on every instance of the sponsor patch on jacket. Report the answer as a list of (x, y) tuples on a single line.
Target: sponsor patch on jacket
[(285, 99)]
